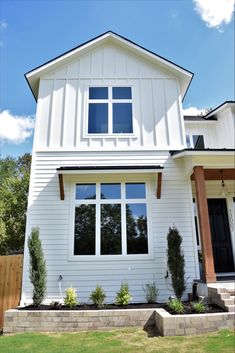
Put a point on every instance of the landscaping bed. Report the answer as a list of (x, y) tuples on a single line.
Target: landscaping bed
[(211, 308)]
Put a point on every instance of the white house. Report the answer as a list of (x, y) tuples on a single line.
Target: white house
[(115, 164)]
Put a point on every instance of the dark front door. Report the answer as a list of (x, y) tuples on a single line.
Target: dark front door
[(220, 234)]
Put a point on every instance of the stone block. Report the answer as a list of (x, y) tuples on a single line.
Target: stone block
[(169, 332), (190, 331), (179, 332)]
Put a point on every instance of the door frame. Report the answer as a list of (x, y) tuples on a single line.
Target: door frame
[(230, 205), (230, 232)]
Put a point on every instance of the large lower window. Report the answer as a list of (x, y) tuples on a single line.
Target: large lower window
[(110, 219), (110, 110)]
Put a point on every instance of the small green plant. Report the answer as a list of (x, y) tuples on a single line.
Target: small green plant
[(98, 296), (151, 292), (70, 297), (199, 307), (37, 267), (176, 305), (123, 297), (55, 305)]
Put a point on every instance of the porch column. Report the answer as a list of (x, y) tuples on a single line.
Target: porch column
[(204, 224)]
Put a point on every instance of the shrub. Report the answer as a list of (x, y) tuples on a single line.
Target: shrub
[(98, 296), (70, 297), (199, 307), (37, 267), (175, 261), (151, 292), (176, 305), (123, 297)]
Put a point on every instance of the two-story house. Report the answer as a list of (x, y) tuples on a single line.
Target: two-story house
[(115, 164)]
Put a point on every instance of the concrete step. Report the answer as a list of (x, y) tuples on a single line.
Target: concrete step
[(230, 308), (226, 302)]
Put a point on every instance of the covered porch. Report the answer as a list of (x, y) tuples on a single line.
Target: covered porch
[(212, 175)]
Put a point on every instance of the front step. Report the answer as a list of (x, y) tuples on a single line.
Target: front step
[(222, 297)]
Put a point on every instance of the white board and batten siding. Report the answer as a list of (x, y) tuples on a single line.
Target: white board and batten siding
[(61, 140), (52, 216), (62, 103), (217, 133)]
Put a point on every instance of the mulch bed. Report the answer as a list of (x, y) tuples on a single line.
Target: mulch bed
[(187, 307), (209, 309)]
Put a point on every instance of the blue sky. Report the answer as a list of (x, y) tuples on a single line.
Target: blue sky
[(197, 34)]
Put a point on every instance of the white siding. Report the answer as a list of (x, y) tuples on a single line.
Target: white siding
[(52, 215), (63, 102), (217, 134)]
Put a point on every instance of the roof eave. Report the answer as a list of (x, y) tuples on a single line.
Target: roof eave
[(34, 75)]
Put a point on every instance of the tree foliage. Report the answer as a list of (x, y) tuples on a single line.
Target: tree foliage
[(14, 184), (175, 261), (37, 267)]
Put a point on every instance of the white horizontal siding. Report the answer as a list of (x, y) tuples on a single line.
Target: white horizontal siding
[(52, 216)]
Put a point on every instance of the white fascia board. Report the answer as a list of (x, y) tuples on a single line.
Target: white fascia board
[(221, 107), (203, 153)]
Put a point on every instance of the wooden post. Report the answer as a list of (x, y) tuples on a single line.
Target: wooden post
[(159, 185), (61, 185), (204, 224)]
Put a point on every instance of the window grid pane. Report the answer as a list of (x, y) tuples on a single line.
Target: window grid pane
[(122, 118), (98, 118), (121, 93), (111, 229), (135, 191), (136, 225), (98, 92), (84, 234)]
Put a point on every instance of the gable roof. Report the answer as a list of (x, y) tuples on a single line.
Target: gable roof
[(34, 75), (217, 109)]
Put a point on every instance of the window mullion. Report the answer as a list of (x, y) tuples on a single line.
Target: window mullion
[(123, 218), (98, 221), (110, 111)]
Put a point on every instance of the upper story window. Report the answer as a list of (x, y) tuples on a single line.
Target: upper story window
[(111, 219), (195, 141), (110, 110)]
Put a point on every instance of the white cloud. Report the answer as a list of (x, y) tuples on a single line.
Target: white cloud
[(14, 128), (3, 24), (215, 13), (194, 111)]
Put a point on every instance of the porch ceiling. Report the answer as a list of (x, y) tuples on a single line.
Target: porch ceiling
[(211, 160)]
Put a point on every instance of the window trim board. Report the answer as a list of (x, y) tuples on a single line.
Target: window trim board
[(127, 257), (110, 101)]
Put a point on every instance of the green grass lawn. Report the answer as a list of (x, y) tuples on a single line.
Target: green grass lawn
[(128, 340)]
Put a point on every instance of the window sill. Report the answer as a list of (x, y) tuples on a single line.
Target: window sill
[(122, 135), (100, 258)]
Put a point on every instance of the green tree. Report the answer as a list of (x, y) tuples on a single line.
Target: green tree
[(37, 267), (14, 184), (175, 261)]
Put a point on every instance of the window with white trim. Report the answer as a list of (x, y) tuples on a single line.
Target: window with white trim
[(110, 219), (110, 110), (195, 141)]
